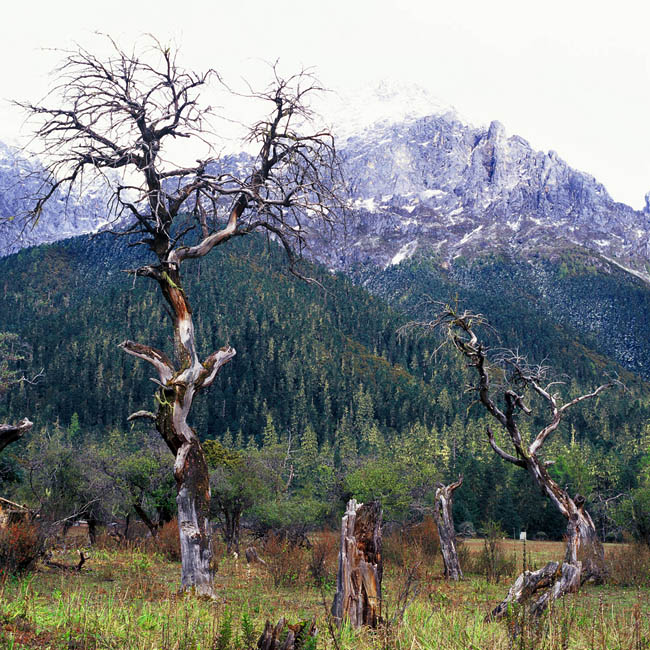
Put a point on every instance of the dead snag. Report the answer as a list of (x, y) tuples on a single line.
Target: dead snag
[(358, 582), (445, 522), (511, 389), (296, 635), (11, 432), (120, 112)]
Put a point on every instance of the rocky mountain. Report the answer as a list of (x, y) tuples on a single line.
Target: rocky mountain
[(438, 186), (64, 216)]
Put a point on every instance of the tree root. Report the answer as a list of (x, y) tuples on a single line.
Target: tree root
[(554, 581)]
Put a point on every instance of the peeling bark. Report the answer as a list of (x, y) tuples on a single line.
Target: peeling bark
[(11, 432), (445, 522), (358, 582)]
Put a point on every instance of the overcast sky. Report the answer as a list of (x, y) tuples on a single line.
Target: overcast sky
[(568, 75)]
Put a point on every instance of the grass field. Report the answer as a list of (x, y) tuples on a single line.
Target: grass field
[(128, 598)]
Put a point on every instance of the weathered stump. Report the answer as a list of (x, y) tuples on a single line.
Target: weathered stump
[(358, 581), (296, 635), (445, 522)]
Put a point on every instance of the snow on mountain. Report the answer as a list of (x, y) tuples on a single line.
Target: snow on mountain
[(352, 111), (65, 215), (421, 179), (459, 190)]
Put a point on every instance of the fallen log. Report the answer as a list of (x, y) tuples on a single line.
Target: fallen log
[(67, 567)]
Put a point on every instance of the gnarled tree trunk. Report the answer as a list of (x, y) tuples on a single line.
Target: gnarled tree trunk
[(583, 546), (358, 582), (178, 387), (11, 432), (445, 522)]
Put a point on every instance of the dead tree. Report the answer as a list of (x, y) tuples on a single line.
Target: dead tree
[(11, 432), (358, 581), (445, 522), (112, 119), (505, 383)]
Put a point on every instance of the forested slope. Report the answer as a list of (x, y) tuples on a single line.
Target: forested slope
[(326, 359)]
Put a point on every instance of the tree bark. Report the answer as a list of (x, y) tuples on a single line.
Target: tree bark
[(231, 530), (445, 522), (11, 432), (358, 582)]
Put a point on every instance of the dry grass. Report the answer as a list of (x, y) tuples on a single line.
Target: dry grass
[(128, 599)]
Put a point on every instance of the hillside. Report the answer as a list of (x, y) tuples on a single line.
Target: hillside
[(305, 357)]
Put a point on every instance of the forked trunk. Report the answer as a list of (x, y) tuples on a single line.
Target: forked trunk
[(584, 557), (583, 545), (358, 582), (445, 522), (178, 386)]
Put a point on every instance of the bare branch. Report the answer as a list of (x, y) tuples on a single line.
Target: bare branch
[(159, 360)]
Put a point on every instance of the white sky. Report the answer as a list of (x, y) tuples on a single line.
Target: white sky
[(568, 75)]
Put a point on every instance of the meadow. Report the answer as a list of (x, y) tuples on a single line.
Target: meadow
[(128, 597)]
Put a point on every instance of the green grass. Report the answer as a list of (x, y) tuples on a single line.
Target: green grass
[(129, 599)]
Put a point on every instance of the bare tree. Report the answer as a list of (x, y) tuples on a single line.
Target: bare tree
[(505, 383), (119, 114), (445, 522)]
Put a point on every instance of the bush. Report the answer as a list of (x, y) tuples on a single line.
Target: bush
[(466, 529), (323, 559), (168, 542), (492, 562), (21, 544), (628, 565), (425, 535), (285, 562)]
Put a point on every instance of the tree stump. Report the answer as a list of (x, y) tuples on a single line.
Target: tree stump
[(445, 522), (358, 582), (296, 635)]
